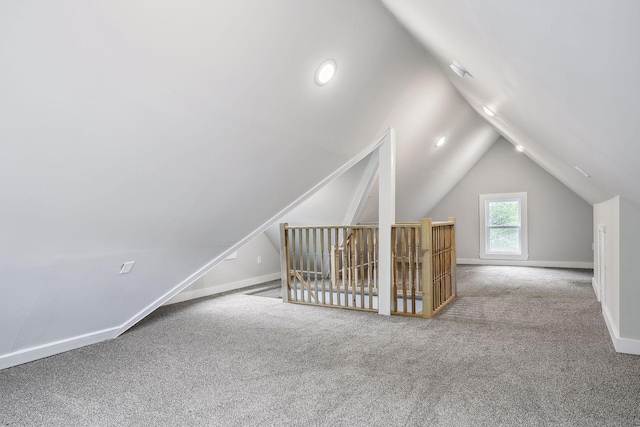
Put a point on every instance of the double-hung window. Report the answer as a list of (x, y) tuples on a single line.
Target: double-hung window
[(503, 226)]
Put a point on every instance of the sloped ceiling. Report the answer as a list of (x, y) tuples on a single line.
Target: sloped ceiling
[(165, 132), (562, 76)]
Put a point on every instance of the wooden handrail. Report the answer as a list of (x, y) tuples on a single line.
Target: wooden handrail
[(306, 227)]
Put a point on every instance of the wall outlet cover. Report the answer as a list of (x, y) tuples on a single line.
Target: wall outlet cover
[(126, 267)]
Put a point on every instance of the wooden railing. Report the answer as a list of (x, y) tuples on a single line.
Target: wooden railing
[(424, 267), (442, 283), (331, 266), (406, 257), (338, 266)]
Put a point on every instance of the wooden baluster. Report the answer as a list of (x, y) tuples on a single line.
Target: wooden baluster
[(354, 266), (314, 244), (375, 260), (447, 259), (438, 269), (412, 268), (361, 247), (439, 233), (394, 268), (436, 287), (294, 264), (443, 265), (418, 258), (322, 261), (284, 262), (308, 253), (427, 271), (346, 256), (369, 267), (333, 268), (404, 242), (343, 267)]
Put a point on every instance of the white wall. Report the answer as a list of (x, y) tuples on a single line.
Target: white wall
[(629, 270), (621, 219), (237, 273), (559, 222), (607, 214), (327, 206)]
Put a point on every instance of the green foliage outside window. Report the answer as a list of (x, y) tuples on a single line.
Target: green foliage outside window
[(504, 213), (505, 217)]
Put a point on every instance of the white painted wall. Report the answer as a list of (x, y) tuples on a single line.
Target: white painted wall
[(559, 222), (630, 271), (240, 272), (621, 218), (608, 214), (327, 206)]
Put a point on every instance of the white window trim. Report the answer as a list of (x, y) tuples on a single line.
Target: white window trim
[(482, 210)]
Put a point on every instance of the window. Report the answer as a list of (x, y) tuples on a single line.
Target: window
[(503, 226)]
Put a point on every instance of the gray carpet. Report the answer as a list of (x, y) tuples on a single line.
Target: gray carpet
[(521, 346)]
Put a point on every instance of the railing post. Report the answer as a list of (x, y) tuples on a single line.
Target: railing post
[(284, 262), (454, 259), (427, 267)]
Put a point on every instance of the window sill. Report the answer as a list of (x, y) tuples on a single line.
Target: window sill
[(514, 257)]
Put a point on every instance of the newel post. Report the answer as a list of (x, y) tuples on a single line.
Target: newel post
[(284, 262), (454, 259)]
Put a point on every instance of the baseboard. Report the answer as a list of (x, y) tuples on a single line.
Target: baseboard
[(38, 352), (552, 264), (622, 345), (213, 290), (596, 288)]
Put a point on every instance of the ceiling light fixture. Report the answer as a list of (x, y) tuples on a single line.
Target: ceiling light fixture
[(488, 111), (583, 172), (520, 148), (325, 72), (459, 69), (440, 142)]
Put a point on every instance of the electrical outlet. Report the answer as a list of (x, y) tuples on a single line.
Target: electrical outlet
[(259, 259), (126, 267)]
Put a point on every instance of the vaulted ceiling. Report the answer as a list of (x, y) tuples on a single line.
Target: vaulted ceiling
[(562, 76)]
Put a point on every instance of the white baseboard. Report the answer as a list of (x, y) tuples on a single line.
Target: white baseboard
[(38, 352), (622, 345), (205, 292), (553, 264), (596, 288)]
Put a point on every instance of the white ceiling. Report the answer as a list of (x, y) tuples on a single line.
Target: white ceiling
[(562, 76)]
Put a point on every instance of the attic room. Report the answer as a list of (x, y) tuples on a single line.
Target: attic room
[(176, 136)]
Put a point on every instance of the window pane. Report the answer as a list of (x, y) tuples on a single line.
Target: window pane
[(504, 213), (504, 240)]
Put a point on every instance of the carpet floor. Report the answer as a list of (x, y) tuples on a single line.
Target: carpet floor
[(519, 347)]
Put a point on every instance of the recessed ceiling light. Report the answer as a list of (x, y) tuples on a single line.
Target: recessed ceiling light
[(459, 69), (583, 172), (520, 148), (325, 72), (440, 142), (488, 111)]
